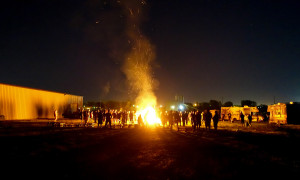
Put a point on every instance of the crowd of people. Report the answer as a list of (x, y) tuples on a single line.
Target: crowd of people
[(107, 118)]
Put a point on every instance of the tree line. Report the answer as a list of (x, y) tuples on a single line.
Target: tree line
[(212, 104)]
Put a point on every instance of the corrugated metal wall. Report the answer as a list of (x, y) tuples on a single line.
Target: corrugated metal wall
[(26, 103)]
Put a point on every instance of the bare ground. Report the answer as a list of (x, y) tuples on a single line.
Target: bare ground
[(37, 151)]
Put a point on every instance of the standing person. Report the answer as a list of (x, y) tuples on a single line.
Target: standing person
[(242, 118), (80, 114), (85, 117), (184, 118), (216, 120), (140, 120), (208, 117), (131, 117), (164, 118), (229, 117), (108, 118), (250, 119), (100, 118), (198, 119), (95, 116), (55, 115), (176, 117), (194, 120), (170, 117)]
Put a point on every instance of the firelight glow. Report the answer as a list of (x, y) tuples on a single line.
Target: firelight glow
[(149, 116)]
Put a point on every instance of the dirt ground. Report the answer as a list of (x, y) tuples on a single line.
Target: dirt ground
[(36, 150)]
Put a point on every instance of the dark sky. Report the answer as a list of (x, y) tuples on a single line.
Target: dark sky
[(205, 49)]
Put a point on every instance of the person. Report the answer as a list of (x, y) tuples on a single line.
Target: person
[(250, 119), (95, 116), (184, 118), (164, 118), (208, 117), (176, 117), (216, 120), (140, 120), (100, 118), (242, 118), (108, 118), (223, 117), (194, 121), (229, 118), (85, 117), (198, 119), (55, 115), (131, 117), (170, 117)]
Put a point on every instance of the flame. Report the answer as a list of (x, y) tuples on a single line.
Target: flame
[(149, 116)]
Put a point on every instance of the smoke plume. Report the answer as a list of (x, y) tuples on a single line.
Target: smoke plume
[(139, 60)]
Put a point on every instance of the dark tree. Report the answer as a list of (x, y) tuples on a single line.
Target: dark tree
[(262, 108), (228, 104), (204, 105), (248, 103), (215, 104)]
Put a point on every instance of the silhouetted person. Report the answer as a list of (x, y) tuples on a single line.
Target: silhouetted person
[(207, 119), (100, 118), (184, 118), (108, 117), (140, 120), (131, 117), (198, 119), (95, 116), (85, 117), (171, 119), (164, 118), (216, 120), (176, 117), (229, 117), (250, 119), (194, 121), (242, 118)]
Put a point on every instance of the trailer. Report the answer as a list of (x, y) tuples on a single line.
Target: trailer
[(284, 113), (233, 113)]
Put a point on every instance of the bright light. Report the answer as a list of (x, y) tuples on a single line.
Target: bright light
[(172, 107), (181, 107), (291, 102), (161, 106), (149, 116), (195, 104)]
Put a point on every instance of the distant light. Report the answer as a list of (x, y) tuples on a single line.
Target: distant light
[(291, 102), (161, 106), (133, 105), (173, 107), (195, 104), (181, 107)]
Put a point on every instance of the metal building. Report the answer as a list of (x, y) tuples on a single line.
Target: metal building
[(17, 103)]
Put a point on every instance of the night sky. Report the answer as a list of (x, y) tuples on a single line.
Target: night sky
[(228, 50)]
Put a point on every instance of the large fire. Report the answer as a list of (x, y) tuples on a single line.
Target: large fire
[(149, 116)]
